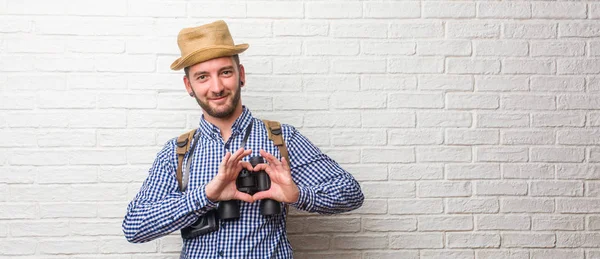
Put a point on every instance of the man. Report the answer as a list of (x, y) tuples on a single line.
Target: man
[(227, 137)]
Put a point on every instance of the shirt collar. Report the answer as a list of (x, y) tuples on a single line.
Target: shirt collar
[(239, 125)]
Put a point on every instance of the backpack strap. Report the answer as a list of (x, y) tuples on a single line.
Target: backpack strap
[(276, 135), (183, 146)]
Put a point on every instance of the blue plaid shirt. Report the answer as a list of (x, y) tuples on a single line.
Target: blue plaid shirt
[(161, 208)]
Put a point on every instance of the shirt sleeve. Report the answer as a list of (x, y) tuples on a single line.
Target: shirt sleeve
[(325, 187), (159, 208)]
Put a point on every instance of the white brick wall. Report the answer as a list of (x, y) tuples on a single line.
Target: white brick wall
[(472, 126)]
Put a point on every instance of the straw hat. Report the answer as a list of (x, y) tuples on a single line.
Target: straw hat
[(202, 43)]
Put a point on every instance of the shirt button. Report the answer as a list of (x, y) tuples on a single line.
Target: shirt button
[(221, 253)]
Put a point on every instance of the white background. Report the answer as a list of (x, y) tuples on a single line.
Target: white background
[(472, 126)]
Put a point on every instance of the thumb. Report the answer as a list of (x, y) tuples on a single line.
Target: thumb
[(262, 195), (243, 197)]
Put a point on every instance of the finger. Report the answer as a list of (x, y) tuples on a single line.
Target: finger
[(246, 165), (262, 195), (270, 158), (236, 154), (243, 197), (286, 165), (225, 159), (264, 167), (243, 154)]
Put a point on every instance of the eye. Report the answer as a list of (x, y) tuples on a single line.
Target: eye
[(201, 77), (227, 72)]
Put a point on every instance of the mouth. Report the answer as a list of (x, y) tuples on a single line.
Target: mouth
[(218, 98)]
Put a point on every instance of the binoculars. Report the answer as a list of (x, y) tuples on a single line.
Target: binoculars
[(250, 183)]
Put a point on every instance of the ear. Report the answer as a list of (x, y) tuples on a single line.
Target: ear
[(242, 74), (188, 85)]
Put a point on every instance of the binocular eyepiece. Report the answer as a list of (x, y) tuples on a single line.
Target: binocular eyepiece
[(250, 183)]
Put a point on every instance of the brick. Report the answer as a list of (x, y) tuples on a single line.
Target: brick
[(19, 63), (558, 119), (472, 205), (416, 241), (472, 171), (528, 240), (473, 240), (358, 65), (528, 102), (155, 119), (358, 138), (300, 102), (15, 24), (28, 44), (577, 137), (66, 99), (444, 48), (82, 81), (126, 63), (445, 223), (21, 175), (501, 48), (558, 10), (275, 10), (388, 155), (471, 137), (444, 154), (578, 66), (580, 205), (343, 155), (156, 9), (557, 222), (389, 189), (416, 100), (332, 224), (332, 255), (593, 48), (504, 10), (98, 192), (527, 137), (527, 205), (362, 100), (502, 254), (528, 171), (528, 66), (530, 30), (472, 101), (433, 254), (593, 84), (594, 11), (257, 66), (372, 206), (297, 28), (580, 29), (360, 242), (443, 189), (592, 189), (217, 10), (388, 47), (593, 223), (575, 102), (583, 171), (10, 247), (310, 242), (72, 138), (111, 246), (27, 102), (38, 157), (554, 253), (392, 10), (331, 48), (445, 82), (472, 66), (503, 222), (500, 188), (416, 137), (416, 172), (332, 119), (397, 224), (444, 119), (358, 30), (421, 65), (391, 254), (39, 229), (501, 154), (501, 83), (18, 211), (67, 210), (333, 10), (52, 82), (387, 82), (18, 138), (472, 29), (594, 155), (300, 66), (111, 210), (411, 30), (42, 193), (416, 206), (557, 48), (572, 240), (97, 46), (542, 154), (379, 119), (449, 10), (115, 138), (275, 48), (557, 84)]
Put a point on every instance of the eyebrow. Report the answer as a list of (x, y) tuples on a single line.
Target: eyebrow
[(198, 73)]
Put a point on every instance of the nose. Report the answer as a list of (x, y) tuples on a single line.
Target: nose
[(216, 86)]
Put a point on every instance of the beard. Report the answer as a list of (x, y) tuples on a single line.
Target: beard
[(224, 112)]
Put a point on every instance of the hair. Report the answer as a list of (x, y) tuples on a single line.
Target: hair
[(236, 60)]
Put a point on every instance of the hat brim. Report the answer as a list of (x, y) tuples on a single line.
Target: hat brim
[(205, 54)]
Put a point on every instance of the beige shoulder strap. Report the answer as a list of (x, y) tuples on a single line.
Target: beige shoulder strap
[(183, 145), (276, 135)]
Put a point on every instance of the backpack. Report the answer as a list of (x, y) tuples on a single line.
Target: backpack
[(183, 145)]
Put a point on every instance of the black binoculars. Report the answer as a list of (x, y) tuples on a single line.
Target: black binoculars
[(250, 183)]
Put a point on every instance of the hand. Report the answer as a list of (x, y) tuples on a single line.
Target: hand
[(283, 188), (222, 187)]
